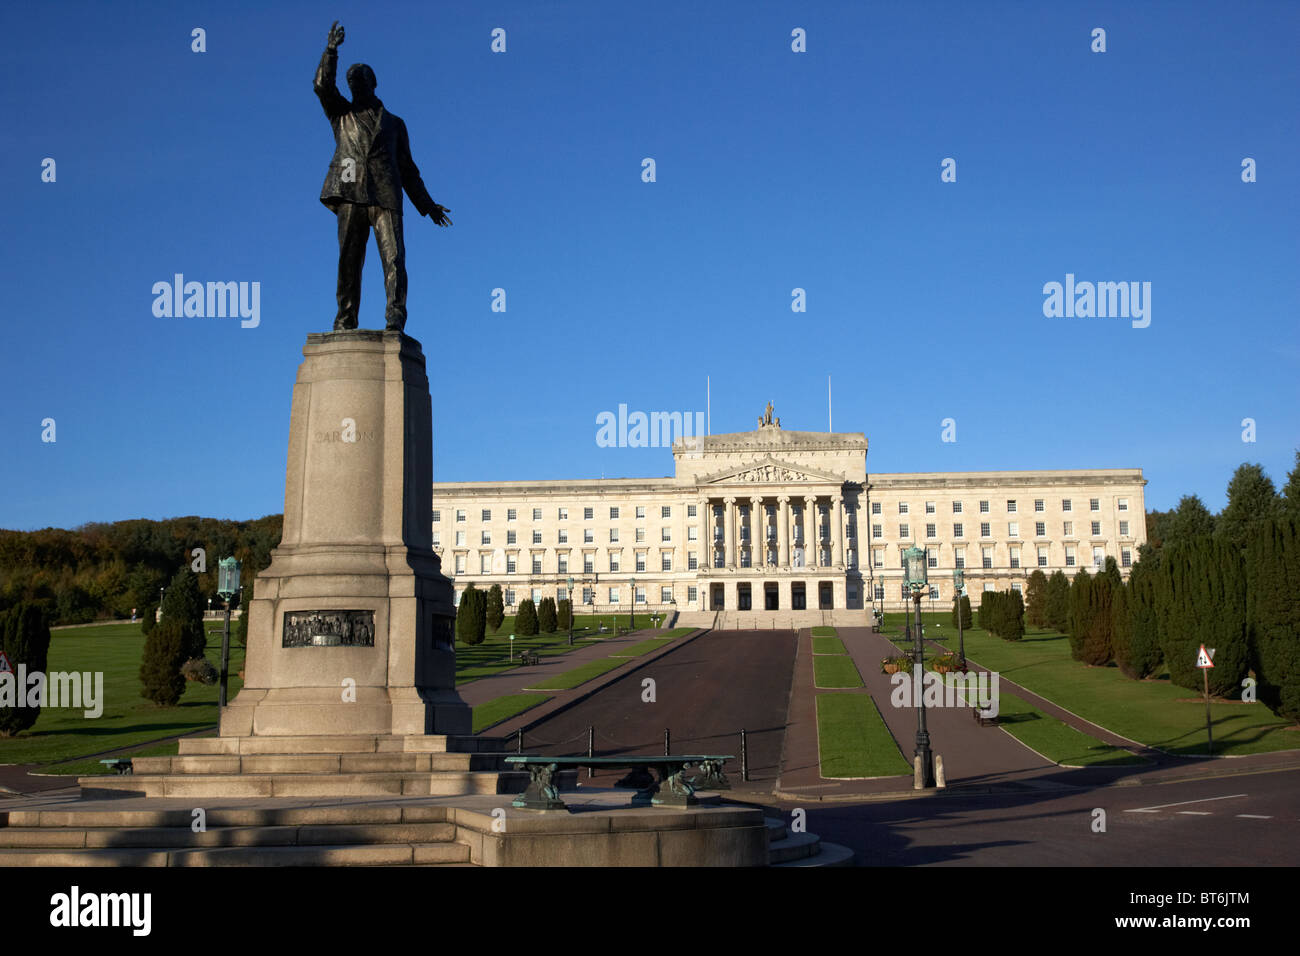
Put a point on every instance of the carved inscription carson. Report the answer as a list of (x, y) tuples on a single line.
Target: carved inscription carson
[(329, 629)]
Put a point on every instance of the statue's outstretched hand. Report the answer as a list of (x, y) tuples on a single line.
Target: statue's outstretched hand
[(335, 37), (439, 215)]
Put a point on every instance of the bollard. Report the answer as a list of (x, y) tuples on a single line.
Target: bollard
[(591, 746), (744, 756), (519, 741), (939, 780), (918, 778), (667, 747)]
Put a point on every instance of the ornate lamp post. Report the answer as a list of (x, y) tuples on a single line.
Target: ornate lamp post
[(959, 587), (227, 587), (914, 578), (570, 611)]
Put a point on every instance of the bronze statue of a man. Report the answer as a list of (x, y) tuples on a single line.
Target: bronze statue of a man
[(371, 166)]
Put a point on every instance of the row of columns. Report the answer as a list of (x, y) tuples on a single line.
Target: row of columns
[(758, 530)]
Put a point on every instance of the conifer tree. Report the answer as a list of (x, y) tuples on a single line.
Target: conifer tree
[(496, 608), (1036, 599), (526, 618), (1273, 613), (1057, 608), (25, 639)]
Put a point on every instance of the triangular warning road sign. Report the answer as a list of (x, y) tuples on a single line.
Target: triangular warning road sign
[(5, 666), (1203, 658)]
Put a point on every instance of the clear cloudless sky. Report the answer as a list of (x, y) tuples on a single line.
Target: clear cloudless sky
[(775, 170)]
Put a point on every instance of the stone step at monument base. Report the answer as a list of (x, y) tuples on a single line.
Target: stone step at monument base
[(270, 763), (438, 783), (309, 836), (786, 849), (340, 744)]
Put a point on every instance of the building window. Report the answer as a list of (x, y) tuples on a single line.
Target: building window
[(904, 531), (1122, 504), (1069, 557), (1040, 529), (537, 564), (958, 530), (1015, 557), (614, 562), (487, 514), (640, 595), (511, 514), (588, 564), (562, 564), (984, 507), (509, 597), (1098, 558), (588, 514), (875, 507), (690, 511), (510, 564), (932, 557), (613, 535), (744, 558), (718, 560), (564, 536), (1015, 586), (667, 562), (640, 512), (902, 507), (537, 537), (1042, 557), (1125, 557), (460, 514), (588, 535), (437, 539), (485, 564), (588, 595), (880, 592), (666, 534), (877, 531), (1096, 528), (536, 595), (437, 515), (930, 531), (460, 564), (1123, 529), (1094, 504), (692, 594), (485, 537), (640, 535), (460, 539), (613, 595), (692, 561), (986, 556), (692, 533), (929, 507), (665, 595), (1066, 505), (986, 529), (1038, 505), (879, 557), (1067, 528), (640, 560), (1013, 529), (666, 511), (956, 507), (613, 514), (510, 537), (1011, 506), (562, 514), (959, 558)]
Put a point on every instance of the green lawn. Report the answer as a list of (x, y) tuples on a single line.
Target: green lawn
[(835, 672), (503, 708), (823, 631), (494, 655), (580, 675), (828, 645), (853, 740), (1152, 712), (127, 719), (1056, 740), (644, 647)]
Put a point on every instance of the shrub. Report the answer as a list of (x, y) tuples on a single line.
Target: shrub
[(160, 669), (1201, 599), (1135, 635), (25, 639), (1036, 599), (964, 605), (526, 618), (201, 670), (546, 617), (471, 616), (1057, 606), (1273, 612), (1078, 614), (183, 604), (564, 614), (1014, 616), (496, 608), (149, 619)]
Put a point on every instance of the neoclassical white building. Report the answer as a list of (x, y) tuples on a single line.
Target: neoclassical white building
[(772, 528)]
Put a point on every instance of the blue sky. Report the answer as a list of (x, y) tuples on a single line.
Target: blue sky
[(775, 170)]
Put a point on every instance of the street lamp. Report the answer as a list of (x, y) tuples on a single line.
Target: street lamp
[(570, 612), (959, 586), (227, 587), (915, 578), (631, 617)]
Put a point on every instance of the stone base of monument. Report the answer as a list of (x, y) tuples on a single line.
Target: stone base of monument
[(319, 766)]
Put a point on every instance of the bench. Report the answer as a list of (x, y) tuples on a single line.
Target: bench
[(118, 764), (673, 788), (982, 720), (530, 657)]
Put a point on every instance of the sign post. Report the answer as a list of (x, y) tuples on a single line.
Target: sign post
[(1205, 660)]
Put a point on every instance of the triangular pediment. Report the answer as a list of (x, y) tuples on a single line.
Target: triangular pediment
[(769, 471)]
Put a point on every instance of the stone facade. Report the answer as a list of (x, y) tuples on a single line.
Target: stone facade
[(829, 535)]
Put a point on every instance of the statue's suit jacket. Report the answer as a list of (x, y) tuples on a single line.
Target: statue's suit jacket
[(375, 140)]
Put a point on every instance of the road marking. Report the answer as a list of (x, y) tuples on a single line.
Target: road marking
[(1194, 813), (1253, 816), (1183, 803)]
